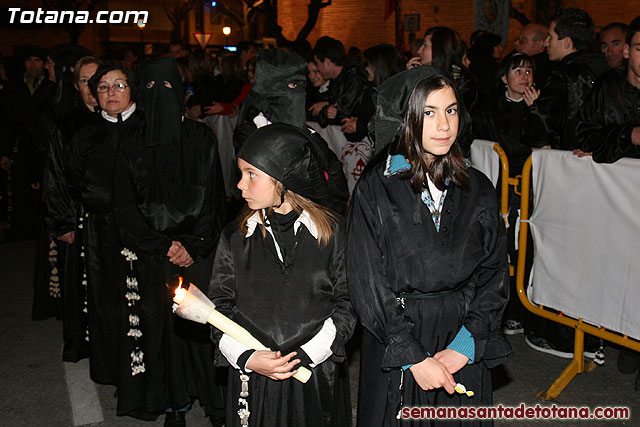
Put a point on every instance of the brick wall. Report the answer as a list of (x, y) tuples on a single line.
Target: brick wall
[(361, 22)]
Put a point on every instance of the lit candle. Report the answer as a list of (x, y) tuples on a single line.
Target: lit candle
[(180, 293)]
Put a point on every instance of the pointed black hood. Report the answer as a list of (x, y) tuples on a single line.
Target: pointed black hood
[(279, 90)]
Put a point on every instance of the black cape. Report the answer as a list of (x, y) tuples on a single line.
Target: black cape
[(163, 193), (284, 307), (465, 264)]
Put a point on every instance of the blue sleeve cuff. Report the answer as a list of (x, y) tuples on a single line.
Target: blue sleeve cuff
[(463, 343)]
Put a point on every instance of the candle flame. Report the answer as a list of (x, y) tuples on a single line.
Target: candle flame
[(180, 292)]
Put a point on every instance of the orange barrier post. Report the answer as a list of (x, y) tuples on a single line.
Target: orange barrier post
[(505, 182)]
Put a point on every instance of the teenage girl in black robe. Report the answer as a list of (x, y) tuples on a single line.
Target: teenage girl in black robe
[(279, 272), (169, 203), (427, 268)]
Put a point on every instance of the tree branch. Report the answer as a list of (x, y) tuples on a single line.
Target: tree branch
[(312, 17), (517, 15)]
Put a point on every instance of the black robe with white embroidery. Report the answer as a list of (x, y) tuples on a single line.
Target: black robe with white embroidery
[(163, 193), (284, 307), (458, 277), (91, 171)]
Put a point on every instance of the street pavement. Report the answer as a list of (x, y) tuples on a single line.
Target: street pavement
[(38, 389)]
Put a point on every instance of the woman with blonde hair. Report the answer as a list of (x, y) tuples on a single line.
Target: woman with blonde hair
[(279, 271)]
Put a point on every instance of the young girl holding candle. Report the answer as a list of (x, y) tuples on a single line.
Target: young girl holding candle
[(279, 272)]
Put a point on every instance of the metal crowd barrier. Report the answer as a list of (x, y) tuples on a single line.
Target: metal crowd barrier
[(485, 150), (578, 363)]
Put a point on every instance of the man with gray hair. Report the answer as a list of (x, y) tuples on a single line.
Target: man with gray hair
[(530, 41)]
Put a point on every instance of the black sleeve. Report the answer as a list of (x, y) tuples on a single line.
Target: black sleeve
[(344, 317), (364, 110), (222, 287), (491, 279), (369, 287), (202, 240), (601, 129), (60, 208)]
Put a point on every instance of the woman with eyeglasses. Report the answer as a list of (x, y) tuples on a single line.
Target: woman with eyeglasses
[(91, 171)]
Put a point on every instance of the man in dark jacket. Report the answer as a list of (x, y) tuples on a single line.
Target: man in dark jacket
[(609, 126), (351, 103), (23, 98), (552, 117)]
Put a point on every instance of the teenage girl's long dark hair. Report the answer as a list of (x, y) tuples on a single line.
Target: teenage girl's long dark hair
[(450, 166)]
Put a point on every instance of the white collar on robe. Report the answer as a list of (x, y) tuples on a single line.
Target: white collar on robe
[(125, 114), (303, 219)]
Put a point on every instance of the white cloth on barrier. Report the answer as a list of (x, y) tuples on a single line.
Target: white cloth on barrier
[(485, 159), (353, 155), (222, 127), (586, 232)]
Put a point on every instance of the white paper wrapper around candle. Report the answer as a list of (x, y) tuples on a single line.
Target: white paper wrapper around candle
[(193, 305), (196, 306)]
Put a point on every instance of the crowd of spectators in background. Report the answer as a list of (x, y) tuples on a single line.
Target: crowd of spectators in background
[(553, 91)]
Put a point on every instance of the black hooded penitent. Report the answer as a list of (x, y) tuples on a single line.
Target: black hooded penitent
[(283, 152), (279, 90), (162, 105)]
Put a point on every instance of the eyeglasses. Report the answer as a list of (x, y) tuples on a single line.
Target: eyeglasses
[(118, 87)]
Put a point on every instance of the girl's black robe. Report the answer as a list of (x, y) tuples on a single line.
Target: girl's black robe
[(91, 170), (162, 193), (455, 277), (284, 308)]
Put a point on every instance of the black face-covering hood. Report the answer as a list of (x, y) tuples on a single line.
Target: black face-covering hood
[(392, 101), (283, 152), (162, 105), (280, 86)]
